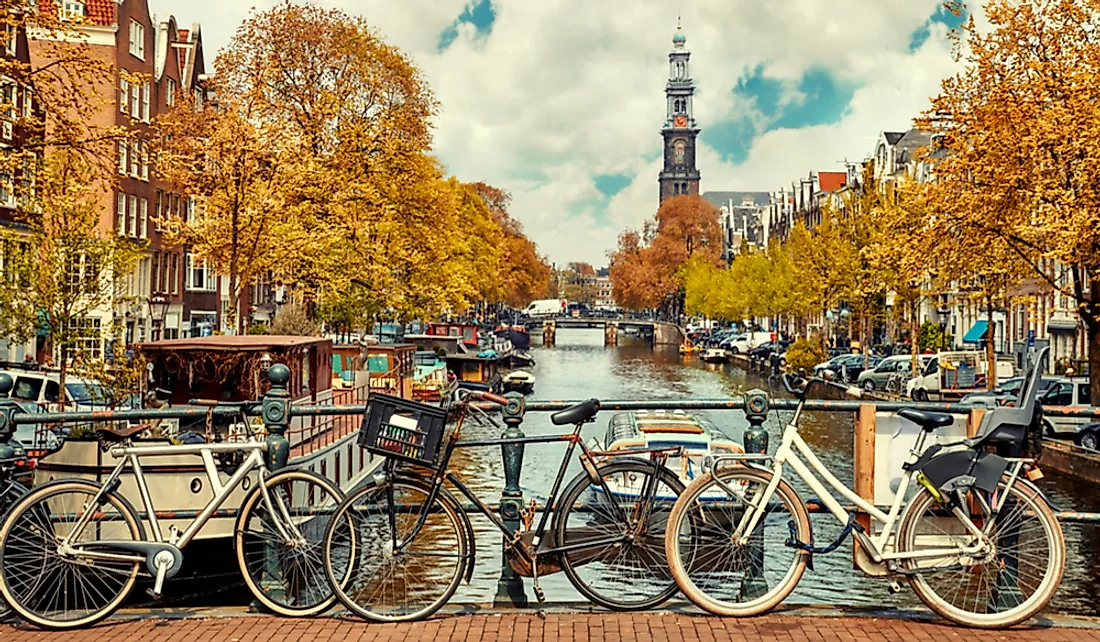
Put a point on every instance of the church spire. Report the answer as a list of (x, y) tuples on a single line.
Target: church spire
[(679, 175)]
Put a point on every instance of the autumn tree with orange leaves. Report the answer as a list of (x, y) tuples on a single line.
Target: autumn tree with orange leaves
[(525, 274), (1017, 129), (646, 267)]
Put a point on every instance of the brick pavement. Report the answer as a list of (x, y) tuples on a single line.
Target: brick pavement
[(529, 627)]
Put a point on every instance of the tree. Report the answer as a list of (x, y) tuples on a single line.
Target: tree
[(579, 283), (224, 160), (64, 274), (525, 275), (1013, 127)]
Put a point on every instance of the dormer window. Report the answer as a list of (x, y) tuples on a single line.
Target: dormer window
[(71, 10)]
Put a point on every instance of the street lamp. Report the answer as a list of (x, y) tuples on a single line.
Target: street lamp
[(158, 307)]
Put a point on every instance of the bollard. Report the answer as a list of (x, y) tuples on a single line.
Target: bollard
[(7, 411), (276, 415), (510, 585), (755, 441)]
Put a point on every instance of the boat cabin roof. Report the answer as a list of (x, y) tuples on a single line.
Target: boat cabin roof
[(652, 425)]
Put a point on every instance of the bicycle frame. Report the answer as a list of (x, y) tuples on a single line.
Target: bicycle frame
[(658, 456), (132, 454), (793, 450)]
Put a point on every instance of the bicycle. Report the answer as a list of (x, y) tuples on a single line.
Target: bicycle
[(961, 532), (71, 550), (12, 467), (412, 543), (896, 383)]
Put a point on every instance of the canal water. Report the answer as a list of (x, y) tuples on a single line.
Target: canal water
[(580, 367)]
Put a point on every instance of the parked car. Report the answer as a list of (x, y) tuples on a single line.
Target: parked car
[(1065, 392), (1007, 392), (847, 368), (1088, 436), (876, 378)]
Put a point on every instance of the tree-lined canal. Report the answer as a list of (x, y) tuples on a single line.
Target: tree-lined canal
[(581, 367)]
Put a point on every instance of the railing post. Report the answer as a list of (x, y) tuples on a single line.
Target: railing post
[(510, 586), (7, 411), (755, 440), (276, 415)]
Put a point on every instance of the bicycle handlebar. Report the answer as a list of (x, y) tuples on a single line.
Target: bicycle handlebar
[(488, 396), (795, 384)]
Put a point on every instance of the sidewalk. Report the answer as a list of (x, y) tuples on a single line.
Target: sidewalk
[(216, 626)]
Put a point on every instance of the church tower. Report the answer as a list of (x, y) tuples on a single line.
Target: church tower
[(679, 175)]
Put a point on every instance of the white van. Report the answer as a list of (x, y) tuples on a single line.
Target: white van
[(747, 341), (949, 376), (546, 308)]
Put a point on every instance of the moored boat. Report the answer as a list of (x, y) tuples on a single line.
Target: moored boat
[(698, 437), (715, 355), (519, 381)]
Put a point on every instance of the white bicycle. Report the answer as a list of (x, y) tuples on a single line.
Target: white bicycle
[(977, 541)]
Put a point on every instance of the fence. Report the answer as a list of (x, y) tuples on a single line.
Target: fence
[(276, 410)]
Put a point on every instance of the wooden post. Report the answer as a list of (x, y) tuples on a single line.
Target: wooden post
[(864, 463), (974, 421)]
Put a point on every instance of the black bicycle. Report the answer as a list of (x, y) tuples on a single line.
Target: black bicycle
[(15, 475), (409, 544)]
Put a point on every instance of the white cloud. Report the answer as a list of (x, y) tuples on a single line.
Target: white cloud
[(565, 90)]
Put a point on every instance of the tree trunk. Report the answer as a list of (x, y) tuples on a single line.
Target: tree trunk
[(1092, 327), (234, 276), (991, 355), (914, 338)]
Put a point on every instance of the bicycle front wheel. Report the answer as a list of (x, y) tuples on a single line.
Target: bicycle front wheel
[(1006, 584), (379, 575), (11, 492), (716, 562), (624, 519), (279, 546), (58, 589)]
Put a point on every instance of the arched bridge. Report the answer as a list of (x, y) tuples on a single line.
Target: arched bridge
[(658, 332)]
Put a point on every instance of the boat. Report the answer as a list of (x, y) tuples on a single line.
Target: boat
[(700, 438), (715, 355), (430, 377), (689, 349), (517, 335), (519, 381)]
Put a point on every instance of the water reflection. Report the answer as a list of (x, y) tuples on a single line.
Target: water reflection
[(580, 367)]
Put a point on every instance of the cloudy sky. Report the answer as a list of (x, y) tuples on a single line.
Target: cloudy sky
[(560, 102)]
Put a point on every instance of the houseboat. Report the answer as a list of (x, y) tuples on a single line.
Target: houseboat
[(698, 437), (715, 355), (519, 381), (429, 377), (225, 368)]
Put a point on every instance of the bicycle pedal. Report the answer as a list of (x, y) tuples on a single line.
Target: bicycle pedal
[(153, 594), (540, 594)]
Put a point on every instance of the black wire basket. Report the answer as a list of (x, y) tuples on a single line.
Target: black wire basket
[(403, 429)]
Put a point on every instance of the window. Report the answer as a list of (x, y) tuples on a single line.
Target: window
[(157, 210), (144, 162), (28, 102), (199, 275), (198, 99), (174, 274), (1082, 394), (7, 193), (121, 214), (71, 9), (7, 107), (156, 272), (30, 172), (135, 159), (88, 339), (143, 224), (170, 95), (122, 147), (123, 93), (10, 35), (135, 102), (1060, 395), (137, 39), (145, 89), (133, 216)]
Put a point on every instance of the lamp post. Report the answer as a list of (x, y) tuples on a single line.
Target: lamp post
[(158, 308)]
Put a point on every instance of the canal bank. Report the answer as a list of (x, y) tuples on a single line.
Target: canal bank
[(554, 625)]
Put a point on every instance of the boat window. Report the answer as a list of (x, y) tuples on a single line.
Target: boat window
[(27, 388), (468, 334)]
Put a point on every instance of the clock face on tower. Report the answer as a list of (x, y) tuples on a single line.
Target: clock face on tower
[(681, 121)]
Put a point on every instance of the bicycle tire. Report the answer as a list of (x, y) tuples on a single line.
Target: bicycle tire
[(659, 579), (1026, 609), (685, 523), (12, 493), (14, 520), (350, 592), (303, 583)]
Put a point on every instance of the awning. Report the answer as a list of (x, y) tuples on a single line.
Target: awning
[(1062, 324), (976, 332)]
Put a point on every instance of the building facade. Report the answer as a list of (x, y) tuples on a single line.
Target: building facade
[(679, 174)]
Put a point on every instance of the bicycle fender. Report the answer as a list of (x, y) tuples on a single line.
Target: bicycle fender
[(96, 486)]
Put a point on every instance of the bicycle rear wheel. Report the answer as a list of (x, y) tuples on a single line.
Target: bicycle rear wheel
[(288, 575), (379, 583), (721, 575), (625, 574), (58, 590), (9, 494), (1010, 583)]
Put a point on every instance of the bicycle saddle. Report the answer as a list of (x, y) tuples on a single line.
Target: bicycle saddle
[(576, 414), (117, 435), (929, 421)]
